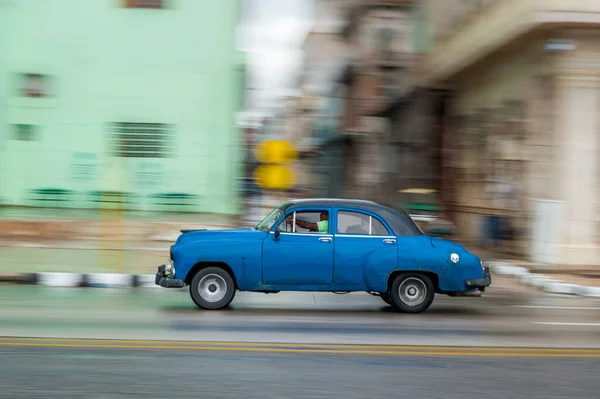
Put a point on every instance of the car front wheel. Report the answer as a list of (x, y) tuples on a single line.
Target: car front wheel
[(212, 288), (412, 292)]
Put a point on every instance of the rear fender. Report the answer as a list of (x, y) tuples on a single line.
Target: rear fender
[(378, 266)]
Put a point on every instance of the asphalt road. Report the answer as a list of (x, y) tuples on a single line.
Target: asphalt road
[(507, 315), (78, 369), (288, 345)]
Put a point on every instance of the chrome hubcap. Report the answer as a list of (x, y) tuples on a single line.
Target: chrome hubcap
[(412, 291), (212, 288)]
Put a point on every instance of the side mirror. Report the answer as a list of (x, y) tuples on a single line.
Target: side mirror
[(277, 234)]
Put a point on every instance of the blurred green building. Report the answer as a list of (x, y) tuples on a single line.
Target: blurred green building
[(120, 103)]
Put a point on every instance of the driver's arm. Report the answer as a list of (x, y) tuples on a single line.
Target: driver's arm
[(312, 226)]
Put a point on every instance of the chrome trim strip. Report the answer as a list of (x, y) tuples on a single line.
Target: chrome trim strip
[(304, 234), (362, 236)]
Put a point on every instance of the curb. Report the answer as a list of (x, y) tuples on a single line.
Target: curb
[(115, 280), (542, 281), (73, 280)]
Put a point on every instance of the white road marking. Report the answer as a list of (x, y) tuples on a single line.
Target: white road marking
[(567, 324), (556, 307)]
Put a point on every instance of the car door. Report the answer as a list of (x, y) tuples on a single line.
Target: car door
[(298, 258), (359, 236)]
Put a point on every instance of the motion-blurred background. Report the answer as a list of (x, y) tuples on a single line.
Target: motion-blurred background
[(122, 121)]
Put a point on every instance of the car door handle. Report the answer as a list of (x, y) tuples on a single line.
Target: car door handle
[(389, 241), (325, 239)]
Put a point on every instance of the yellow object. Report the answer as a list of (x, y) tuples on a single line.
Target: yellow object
[(275, 177), (276, 152), (418, 191)]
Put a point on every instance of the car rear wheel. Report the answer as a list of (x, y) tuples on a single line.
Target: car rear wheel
[(212, 288), (412, 292)]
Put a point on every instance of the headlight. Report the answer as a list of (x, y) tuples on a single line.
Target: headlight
[(170, 269)]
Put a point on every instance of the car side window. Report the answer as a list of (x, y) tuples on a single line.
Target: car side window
[(349, 222), (306, 222), (377, 228)]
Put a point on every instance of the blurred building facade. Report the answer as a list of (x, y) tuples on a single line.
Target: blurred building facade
[(128, 102), (379, 35), (371, 49), (325, 53), (521, 122)]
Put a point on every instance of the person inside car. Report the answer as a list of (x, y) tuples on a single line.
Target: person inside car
[(322, 226)]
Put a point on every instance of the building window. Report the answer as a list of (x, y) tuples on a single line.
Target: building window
[(24, 132), (141, 140), (34, 85), (156, 4)]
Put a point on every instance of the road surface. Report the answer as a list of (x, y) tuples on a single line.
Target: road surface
[(510, 343), (507, 315), (90, 369)]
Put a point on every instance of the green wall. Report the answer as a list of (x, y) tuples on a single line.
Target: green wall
[(111, 64)]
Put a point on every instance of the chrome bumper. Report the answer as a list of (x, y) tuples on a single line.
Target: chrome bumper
[(164, 277)]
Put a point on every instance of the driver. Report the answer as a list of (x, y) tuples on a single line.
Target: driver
[(322, 226)]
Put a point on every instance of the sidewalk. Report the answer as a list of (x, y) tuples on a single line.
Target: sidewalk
[(56, 214), (102, 225), (583, 276), (84, 257), (34, 240)]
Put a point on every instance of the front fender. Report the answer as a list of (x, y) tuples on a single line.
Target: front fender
[(243, 257)]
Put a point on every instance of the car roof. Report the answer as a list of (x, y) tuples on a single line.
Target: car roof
[(338, 202)]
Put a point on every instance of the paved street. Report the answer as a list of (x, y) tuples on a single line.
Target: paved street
[(510, 343), (507, 315), (153, 371)]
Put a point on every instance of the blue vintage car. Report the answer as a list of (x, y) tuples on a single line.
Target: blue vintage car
[(327, 245)]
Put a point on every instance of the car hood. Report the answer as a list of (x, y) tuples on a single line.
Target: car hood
[(448, 245), (224, 234)]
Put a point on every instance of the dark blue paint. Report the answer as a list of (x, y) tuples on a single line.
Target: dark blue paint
[(261, 262)]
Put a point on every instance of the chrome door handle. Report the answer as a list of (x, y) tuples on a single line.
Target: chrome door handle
[(325, 239), (389, 241)]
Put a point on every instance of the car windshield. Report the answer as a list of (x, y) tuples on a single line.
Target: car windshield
[(267, 222)]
